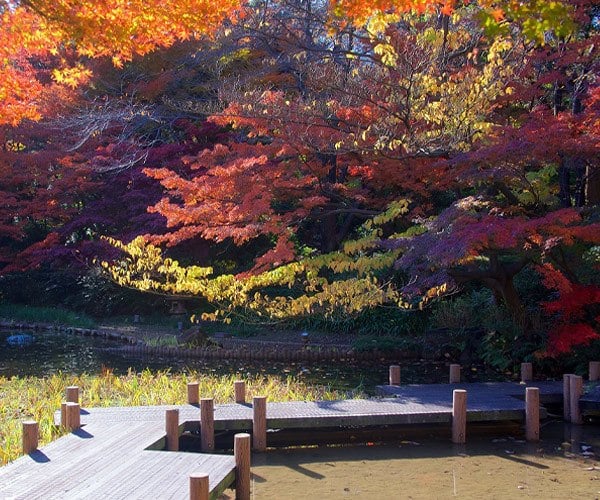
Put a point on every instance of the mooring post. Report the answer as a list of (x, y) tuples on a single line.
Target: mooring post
[(239, 389), (594, 371), (459, 416), (532, 414), (172, 429), (241, 452), (575, 392), (454, 377), (395, 375), (73, 416), (207, 425), (259, 423), (199, 486), (72, 394), (30, 436), (526, 372), (567, 397), (193, 393)]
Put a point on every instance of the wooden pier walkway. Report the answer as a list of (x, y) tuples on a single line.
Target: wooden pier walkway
[(115, 452)]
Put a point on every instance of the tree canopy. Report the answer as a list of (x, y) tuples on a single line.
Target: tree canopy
[(352, 153)]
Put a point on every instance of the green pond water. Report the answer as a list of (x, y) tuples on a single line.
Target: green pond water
[(43, 353)]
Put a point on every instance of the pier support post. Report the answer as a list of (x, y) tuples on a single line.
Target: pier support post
[(567, 397), (199, 486), (594, 371), (459, 416), (193, 393), (172, 429), (239, 389), (30, 436), (73, 416), (72, 394), (259, 423), (395, 375), (532, 414), (241, 452), (207, 425), (575, 392), (526, 372), (454, 377)]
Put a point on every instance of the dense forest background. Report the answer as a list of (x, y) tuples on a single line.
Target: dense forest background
[(418, 168)]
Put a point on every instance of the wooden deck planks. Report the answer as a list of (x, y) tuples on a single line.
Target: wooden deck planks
[(112, 463)]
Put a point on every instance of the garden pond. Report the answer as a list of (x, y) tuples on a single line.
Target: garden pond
[(413, 463), (41, 353)]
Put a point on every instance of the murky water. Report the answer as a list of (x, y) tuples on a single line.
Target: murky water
[(417, 465), (50, 352)]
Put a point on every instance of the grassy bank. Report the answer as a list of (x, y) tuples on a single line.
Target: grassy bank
[(38, 398), (52, 315)]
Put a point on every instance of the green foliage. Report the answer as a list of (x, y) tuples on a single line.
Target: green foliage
[(38, 398), (54, 315)]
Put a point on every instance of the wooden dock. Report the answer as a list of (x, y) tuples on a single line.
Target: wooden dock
[(115, 454)]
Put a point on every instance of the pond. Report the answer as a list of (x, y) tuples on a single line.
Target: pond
[(424, 464), (46, 352)]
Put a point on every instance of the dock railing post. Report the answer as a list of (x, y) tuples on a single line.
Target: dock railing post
[(459, 416), (63, 414), (567, 397), (239, 389), (394, 375), (193, 393), (594, 371), (575, 392), (172, 429), (454, 377), (532, 414), (259, 423), (30, 436), (526, 372), (72, 394), (207, 425), (73, 416), (241, 452), (199, 486)]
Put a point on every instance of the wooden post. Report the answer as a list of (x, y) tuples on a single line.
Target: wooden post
[(172, 429), (73, 416), (193, 393), (454, 374), (526, 372), (459, 416), (72, 394), (594, 371), (532, 414), (259, 423), (239, 388), (567, 397), (394, 375), (30, 436), (207, 425), (63, 414), (575, 392), (241, 452), (199, 486)]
